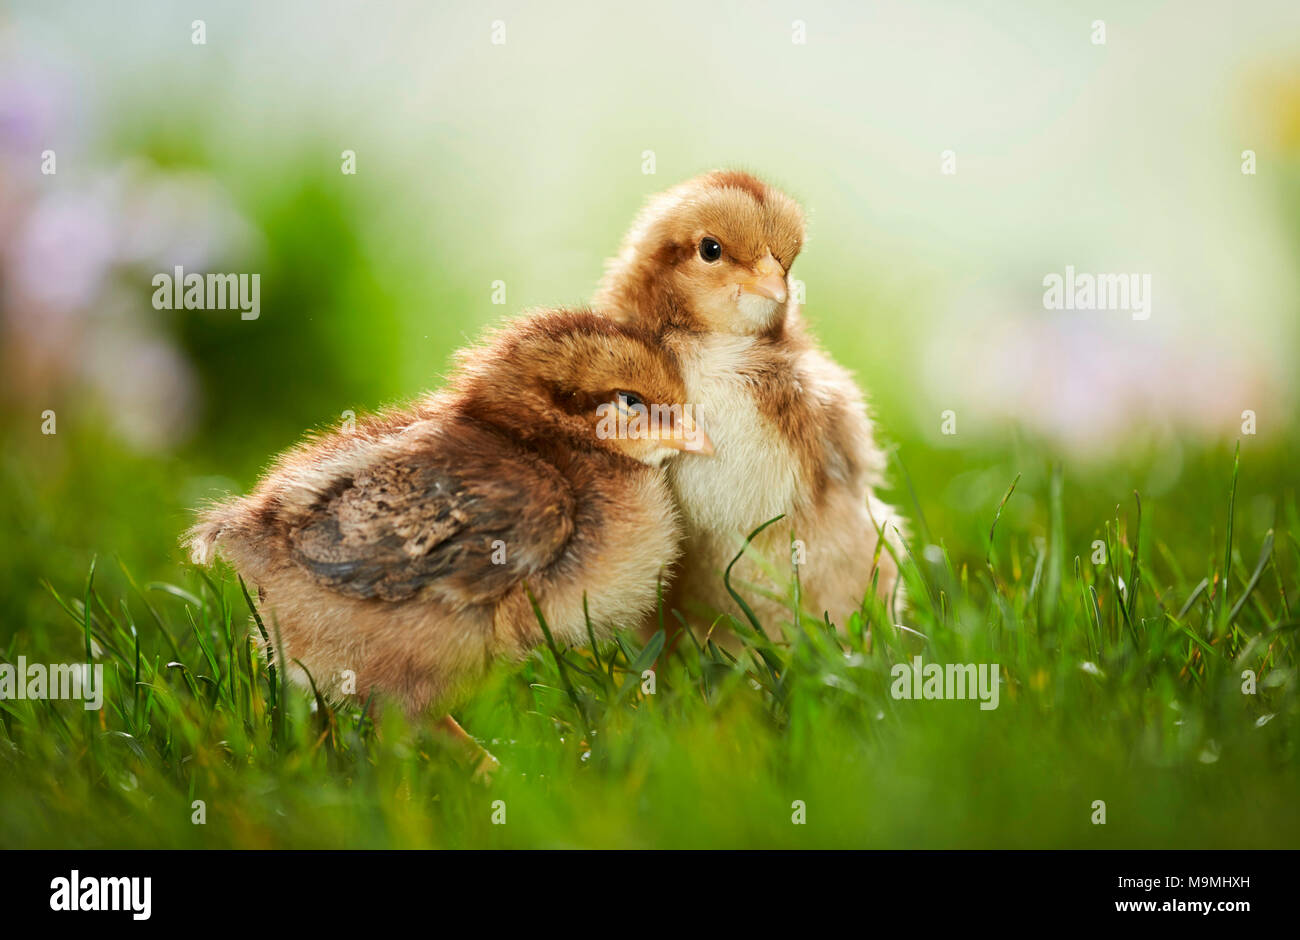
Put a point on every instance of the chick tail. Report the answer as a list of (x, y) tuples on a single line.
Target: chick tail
[(201, 540)]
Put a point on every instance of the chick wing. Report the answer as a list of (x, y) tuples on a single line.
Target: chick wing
[(467, 523)]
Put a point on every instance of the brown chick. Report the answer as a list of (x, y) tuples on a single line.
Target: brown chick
[(706, 266), (400, 553)]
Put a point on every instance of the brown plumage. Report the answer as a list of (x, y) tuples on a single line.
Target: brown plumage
[(706, 266), (399, 552)]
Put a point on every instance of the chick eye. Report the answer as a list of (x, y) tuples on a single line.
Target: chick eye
[(710, 250), (629, 400)]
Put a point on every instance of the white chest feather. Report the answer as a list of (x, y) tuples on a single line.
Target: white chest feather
[(753, 475)]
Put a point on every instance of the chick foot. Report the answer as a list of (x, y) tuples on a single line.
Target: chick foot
[(469, 751)]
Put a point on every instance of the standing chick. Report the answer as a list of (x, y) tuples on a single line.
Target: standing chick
[(402, 551), (705, 266)]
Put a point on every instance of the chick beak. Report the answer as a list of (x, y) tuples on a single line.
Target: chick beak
[(768, 280), (687, 436)]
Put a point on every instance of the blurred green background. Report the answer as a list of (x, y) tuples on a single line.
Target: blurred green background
[(523, 161)]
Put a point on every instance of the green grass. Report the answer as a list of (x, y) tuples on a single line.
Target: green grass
[(1128, 694)]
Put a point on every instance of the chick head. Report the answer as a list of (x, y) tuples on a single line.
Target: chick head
[(713, 253), (586, 381)]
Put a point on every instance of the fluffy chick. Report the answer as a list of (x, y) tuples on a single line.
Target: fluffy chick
[(706, 267), (402, 550)]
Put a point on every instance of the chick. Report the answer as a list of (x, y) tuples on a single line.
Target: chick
[(706, 267), (404, 551)]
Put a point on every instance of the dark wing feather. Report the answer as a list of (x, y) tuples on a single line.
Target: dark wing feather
[(466, 521)]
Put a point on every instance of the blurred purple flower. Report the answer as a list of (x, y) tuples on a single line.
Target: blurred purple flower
[(1090, 381), (75, 265)]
